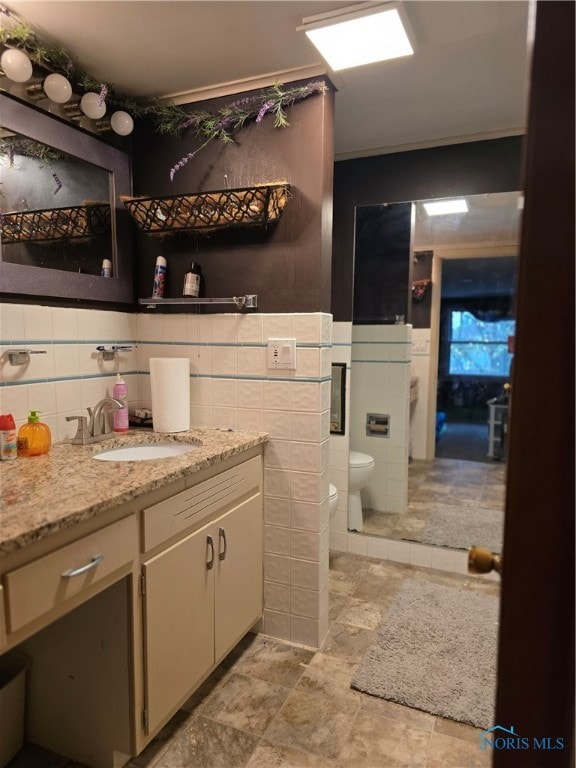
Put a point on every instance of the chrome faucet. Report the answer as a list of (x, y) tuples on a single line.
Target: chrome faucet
[(98, 428)]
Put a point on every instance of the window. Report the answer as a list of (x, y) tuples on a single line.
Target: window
[(478, 347)]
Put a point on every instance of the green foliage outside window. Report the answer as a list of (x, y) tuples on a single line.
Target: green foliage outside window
[(478, 347)]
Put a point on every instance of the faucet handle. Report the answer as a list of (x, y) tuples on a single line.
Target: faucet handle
[(81, 435)]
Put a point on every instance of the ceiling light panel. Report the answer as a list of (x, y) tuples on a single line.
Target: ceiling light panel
[(346, 40)]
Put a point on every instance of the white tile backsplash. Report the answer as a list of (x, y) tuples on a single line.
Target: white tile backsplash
[(250, 329), (305, 427), (304, 602), (277, 511), (276, 540), (277, 424), (306, 328), (251, 361), (250, 420), (277, 596), (277, 483), (277, 568), (12, 322), (224, 393), (251, 394), (277, 453), (276, 326), (230, 387), (277, 395)]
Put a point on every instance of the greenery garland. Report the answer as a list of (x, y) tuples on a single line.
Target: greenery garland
[(10, 146), (168, 119), (226, 121)]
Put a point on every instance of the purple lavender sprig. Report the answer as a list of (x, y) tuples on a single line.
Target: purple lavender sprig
[(103, 93), (184, 160), (266, 107), (58, 183), (232, 117)]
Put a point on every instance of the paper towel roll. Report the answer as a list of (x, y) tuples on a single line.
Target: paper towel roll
[(170, 383)]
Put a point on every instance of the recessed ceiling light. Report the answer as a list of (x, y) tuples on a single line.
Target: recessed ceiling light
[(361, 34), (441, 207)]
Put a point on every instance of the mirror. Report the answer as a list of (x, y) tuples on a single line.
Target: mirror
[(62, 218), (446, 462), (55, 208), (338, 399)]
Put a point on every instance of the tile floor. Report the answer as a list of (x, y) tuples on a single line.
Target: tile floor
[(271, 704), (444, 485)]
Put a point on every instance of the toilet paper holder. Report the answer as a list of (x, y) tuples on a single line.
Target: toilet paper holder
[(378, 425)]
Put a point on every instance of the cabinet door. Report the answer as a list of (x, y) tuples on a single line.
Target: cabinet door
[(178, 622), (238, 601)]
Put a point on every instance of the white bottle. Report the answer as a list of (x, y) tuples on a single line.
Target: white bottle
[(120, 392)]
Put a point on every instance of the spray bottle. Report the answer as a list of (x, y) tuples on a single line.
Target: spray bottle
[(120, 392)]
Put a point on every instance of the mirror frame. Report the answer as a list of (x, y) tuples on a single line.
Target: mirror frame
[(52, 283)]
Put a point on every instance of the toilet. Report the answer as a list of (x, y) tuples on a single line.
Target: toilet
[(332, 500), (360, 470)]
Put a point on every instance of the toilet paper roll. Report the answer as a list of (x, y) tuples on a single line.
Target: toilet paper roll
[(170, 383)]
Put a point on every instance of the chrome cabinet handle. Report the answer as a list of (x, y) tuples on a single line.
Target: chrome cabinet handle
[(83, 569), (210, 544), (222, 538)]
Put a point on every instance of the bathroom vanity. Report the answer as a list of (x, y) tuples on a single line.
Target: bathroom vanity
[(126, 583)]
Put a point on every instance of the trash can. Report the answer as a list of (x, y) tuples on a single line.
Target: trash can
[(13, 666)]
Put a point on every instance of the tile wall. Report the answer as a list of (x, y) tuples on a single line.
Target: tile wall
[(381, 384), (230, 387), (420, 367), (340, 444), (342, 540), (69, 374)]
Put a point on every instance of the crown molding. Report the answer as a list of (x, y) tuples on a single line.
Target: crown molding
[(440, 142), (234, 87)]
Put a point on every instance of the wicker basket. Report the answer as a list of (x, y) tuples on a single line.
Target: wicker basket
[(56, 224), (244, 207)]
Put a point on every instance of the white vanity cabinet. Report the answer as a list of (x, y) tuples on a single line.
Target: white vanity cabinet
[(203, 591), (200, 597), (177, 583)]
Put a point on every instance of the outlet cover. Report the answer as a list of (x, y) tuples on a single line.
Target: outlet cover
[(282, 354)]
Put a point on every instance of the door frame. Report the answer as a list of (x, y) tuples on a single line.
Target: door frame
[(535, 687), (491, 250)]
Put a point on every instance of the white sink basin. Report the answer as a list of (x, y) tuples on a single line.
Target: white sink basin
[(145, 451)]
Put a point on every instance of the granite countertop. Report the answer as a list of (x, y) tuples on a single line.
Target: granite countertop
[(41, 495)]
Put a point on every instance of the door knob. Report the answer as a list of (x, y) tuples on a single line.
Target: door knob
[(481, 560)]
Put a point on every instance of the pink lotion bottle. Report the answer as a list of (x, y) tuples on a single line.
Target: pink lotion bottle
[(120, 392)]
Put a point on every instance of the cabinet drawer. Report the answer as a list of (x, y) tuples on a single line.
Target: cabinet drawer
[(183, 510), (50, 581)]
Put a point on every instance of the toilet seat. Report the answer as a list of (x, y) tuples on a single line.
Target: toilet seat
[(358, 459), (332, 492)]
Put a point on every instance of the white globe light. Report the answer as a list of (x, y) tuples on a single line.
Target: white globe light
[(91, 106), (16, 65), (122, 123), (57, 88)]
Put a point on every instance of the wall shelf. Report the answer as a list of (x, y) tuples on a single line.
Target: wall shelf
[(250, 301), (254, 206), (56, 224)]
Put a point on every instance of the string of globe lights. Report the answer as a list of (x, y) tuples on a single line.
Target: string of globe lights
[(24, 52)]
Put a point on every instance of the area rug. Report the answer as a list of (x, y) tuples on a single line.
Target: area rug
[(460, 526), (436, 651)]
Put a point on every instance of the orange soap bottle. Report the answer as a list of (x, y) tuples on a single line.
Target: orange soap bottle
[(34, 438)]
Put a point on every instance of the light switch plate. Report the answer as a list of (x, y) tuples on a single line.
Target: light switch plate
[(282, 354)]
